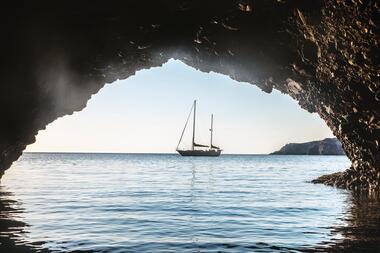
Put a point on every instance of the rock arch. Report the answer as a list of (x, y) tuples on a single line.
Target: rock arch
[(325, 54)]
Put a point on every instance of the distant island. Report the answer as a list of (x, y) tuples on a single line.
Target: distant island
[(328, 146)]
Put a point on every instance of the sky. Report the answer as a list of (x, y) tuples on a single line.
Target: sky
[(147, 112)]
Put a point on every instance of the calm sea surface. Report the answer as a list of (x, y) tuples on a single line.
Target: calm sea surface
[(168, 203)]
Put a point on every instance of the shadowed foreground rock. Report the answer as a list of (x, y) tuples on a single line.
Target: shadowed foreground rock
[(324, 54)]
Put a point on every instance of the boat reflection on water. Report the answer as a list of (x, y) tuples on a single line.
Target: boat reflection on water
[(360, 231)]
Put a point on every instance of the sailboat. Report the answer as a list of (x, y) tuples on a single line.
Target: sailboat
[(210, 150)]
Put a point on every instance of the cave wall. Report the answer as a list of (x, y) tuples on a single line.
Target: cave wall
[(324, 54)]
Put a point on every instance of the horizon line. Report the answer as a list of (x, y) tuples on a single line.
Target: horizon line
[(132, 153)]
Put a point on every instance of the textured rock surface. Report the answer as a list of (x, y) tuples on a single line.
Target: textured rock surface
[(325, 54), (328, 146)]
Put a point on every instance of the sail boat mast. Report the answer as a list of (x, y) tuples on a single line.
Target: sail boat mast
[(211, 129), (195, 109), (211, 151)]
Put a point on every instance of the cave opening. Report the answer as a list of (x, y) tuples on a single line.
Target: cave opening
[(145, 113), (132, 193)]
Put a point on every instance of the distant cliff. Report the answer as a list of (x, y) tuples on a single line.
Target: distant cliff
[(328, 146)]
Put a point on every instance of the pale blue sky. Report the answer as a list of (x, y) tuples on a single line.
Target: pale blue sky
[(146, 113)]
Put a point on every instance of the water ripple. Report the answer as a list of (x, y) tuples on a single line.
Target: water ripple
[(167, 203)]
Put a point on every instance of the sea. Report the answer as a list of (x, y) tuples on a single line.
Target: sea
[(93, 202)]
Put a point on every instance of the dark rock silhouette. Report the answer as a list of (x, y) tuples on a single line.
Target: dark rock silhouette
[(328, 146), (324, 54)]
